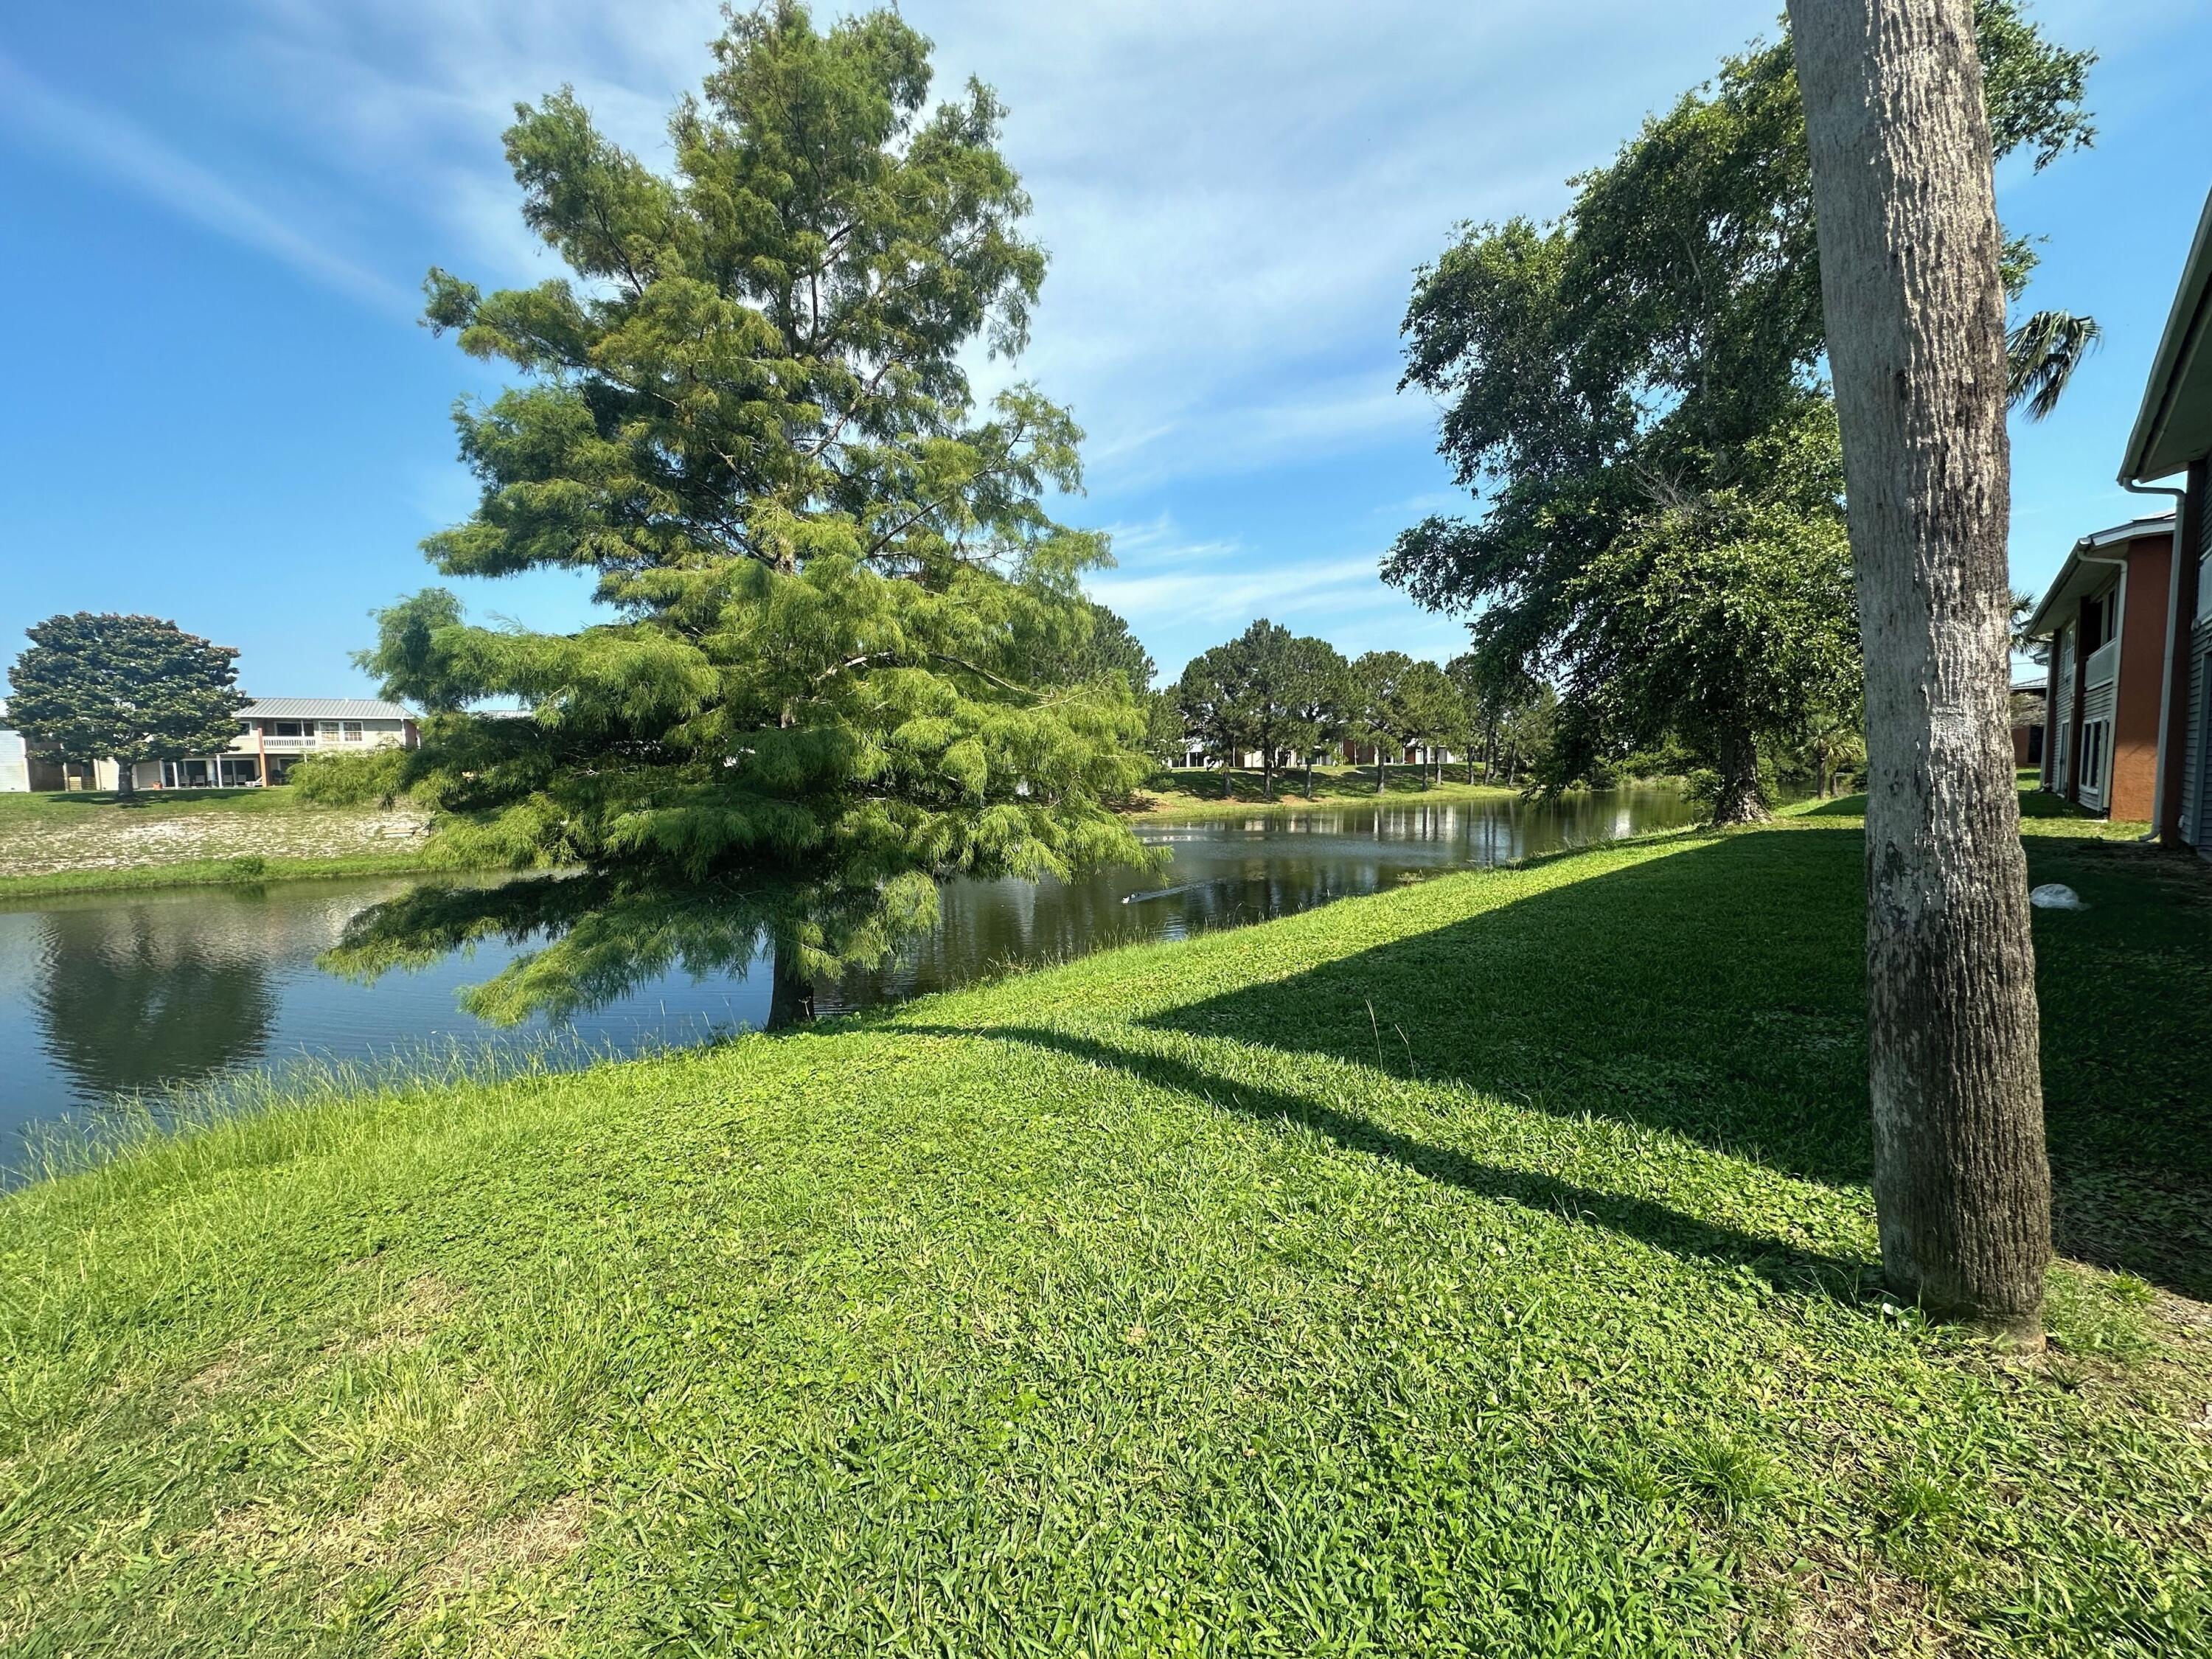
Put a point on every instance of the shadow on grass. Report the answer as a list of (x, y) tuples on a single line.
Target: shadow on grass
[(1781, 1264), (1842, 807), (1719, 994), (2034, 803)]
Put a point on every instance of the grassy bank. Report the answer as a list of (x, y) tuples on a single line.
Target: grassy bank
[(1187, 793), (88, 843), (250, 869), (1479, 1268)]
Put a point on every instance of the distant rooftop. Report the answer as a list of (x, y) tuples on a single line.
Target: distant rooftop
[(323, 709)]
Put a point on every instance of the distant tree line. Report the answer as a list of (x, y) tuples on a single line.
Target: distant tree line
[(1294, 701)]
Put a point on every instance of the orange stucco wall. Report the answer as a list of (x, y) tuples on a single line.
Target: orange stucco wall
[(2143, 675)]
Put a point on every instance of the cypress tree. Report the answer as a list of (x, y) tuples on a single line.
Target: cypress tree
[(840, 614)]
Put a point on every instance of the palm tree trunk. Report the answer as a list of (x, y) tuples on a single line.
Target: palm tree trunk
[(1909, 273)]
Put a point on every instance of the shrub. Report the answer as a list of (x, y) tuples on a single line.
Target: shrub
[(377, 776)]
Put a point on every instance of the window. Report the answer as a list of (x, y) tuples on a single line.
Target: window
[(353, 731), (284, 729), (327, 731), (2096, 740)]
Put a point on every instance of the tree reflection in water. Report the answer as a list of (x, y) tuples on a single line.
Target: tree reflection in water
[(131, 998), (584, 941)]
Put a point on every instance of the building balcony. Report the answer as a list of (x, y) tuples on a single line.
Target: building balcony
[(2104, 664)]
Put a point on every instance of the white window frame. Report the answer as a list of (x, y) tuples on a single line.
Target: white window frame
[(2096, 761)]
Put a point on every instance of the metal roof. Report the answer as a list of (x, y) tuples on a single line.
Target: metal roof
[(323, 708), (2174, 426), (2083, 571)]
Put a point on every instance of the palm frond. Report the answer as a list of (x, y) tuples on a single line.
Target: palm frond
[(2041, 356)]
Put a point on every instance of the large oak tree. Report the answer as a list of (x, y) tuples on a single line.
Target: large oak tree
[(124, 689), (1615, 386)]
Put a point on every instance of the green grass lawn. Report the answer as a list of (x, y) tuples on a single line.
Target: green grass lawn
[(82, 842), (19, 811), (1476, 1269), (1183, 793)]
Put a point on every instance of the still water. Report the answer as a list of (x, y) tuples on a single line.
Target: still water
[(108, 995)]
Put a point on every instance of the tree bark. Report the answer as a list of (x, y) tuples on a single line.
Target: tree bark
[(791, 997), (1267, 775), (1739, 799), (126, 786), (1310, 760), (1909, 246), (1380, 782)]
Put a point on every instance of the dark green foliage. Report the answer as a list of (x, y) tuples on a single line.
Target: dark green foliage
[(1110, 648), (1637, 393), (1321, 701), (1205, 699), (849, 651), (1398, 700), (125, 689), (1269, 691)]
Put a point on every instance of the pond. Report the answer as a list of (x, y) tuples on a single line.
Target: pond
[(109, 995)]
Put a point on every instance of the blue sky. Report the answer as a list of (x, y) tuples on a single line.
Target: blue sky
[(218, 213)]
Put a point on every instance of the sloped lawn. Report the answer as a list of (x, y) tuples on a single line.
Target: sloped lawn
[(1480, 1268)]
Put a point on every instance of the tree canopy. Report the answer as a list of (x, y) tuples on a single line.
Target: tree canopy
[(842, 616), (1267, 690), (125, 689), (1618, 388), (1398, 700)]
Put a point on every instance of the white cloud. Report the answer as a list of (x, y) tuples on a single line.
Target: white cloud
[(104, 142), (1234, 196), (1231, 596)]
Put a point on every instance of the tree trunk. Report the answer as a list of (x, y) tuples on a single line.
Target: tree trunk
[(1267, 775), (1739, 799), (126, 786), (791, 997), (1310, 775), (1909, 246), (1228, 774), (1489, 751), (1380, 777)]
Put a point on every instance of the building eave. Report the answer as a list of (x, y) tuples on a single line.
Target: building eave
[(2086, 568), (2174, 425)]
